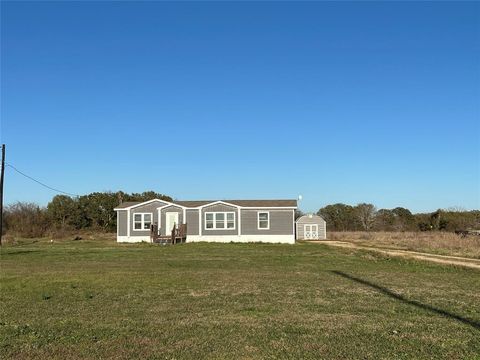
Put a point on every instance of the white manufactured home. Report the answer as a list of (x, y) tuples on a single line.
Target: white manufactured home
[(271, 221)]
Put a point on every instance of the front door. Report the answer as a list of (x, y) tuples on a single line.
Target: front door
[(311, 231), (171, 219)]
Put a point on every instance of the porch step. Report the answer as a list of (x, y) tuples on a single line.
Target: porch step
[(179, 235)]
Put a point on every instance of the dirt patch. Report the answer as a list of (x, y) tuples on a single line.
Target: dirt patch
[(440, 259), (430, 242)]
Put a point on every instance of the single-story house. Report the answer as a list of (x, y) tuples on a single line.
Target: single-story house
[(311, 227), (215, 221)]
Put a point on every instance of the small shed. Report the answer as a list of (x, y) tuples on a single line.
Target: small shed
[(310, 227)]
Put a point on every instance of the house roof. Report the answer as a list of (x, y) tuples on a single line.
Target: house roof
[(263, 203), (242, 203), (127, 204), (193, 203)]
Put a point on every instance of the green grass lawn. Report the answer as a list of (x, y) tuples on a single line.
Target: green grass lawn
[(97, 299)]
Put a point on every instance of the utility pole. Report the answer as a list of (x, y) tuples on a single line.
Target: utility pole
[(1, 192)]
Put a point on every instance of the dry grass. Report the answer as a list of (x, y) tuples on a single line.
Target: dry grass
[(444, 243)]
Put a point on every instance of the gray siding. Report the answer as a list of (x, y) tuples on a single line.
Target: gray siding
[(148, 208), (163, 220), (281, 222), (192, 222), (219, 208), (315, 219), (122, 222)]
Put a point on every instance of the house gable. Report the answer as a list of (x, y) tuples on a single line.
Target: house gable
[(219, 207), (128, 205)]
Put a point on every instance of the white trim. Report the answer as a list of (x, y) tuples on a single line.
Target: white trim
[(225, 221), (184, 216), (159, 211), (258, 220), (160, 208), (129, 224), (217, 203), (168, 205), (293, 219), (148, 202), (283, 239), (142, 221), (199, 222), (239, 222)]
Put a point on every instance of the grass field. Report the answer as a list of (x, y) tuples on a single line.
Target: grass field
[(96, 299), (434, 242)]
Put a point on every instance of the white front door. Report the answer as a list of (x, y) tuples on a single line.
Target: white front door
[(310, 231), (171, 219)]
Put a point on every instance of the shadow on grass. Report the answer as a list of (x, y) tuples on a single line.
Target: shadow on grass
[(403, 299), (18, 252)]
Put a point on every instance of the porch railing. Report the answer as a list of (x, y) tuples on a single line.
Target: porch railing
[(178, 234)]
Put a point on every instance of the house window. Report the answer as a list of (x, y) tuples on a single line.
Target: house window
[(219, 220), (142, 221), (230, 220), (264, 220), (209, 220)]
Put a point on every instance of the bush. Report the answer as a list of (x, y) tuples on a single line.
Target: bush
[(25, 220)]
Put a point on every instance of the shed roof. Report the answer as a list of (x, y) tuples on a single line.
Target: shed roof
[(310, 217)]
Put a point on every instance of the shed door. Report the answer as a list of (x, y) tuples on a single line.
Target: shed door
[(311, 231)]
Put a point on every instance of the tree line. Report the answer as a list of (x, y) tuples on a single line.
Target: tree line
[(366, 217), (95, 212), (64, 213)]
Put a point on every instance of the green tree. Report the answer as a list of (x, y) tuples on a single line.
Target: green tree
[(404, 219), (298, 214), (61, 210), (385, 220), (145, 196), (339, 217), (98, 208)]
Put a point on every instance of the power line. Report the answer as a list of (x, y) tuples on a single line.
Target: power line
[(39, 182)]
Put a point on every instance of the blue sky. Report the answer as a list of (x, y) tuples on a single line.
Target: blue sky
[(340, 102)]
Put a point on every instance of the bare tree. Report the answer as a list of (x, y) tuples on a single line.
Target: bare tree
[(366, 214), (298, 214), (26, 220)]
